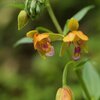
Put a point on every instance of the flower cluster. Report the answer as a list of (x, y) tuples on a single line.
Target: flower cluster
[(42, 42)]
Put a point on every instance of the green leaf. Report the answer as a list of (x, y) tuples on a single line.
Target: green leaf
[(17, 5), (23, 41), (66, 29), (83, 12), (55, 37), (92, 80), (43, 29)]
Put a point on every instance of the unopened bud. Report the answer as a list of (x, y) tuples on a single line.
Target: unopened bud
[(73, 24), (22, 19), (64, 94), (34, 7)]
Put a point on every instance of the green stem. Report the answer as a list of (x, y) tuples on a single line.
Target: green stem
[(52, 15), (64, 77), (78, 72)]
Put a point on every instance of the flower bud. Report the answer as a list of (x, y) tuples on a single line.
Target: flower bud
[(64, 94), (73, 24), (34, 7), (22, 19)]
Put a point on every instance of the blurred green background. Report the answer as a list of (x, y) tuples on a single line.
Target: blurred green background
[(24, 75)]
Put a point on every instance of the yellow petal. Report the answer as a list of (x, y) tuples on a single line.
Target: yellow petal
[(42, 36), (70, 37), (73, 24), (81, 35), (30, 34), (35, 40)]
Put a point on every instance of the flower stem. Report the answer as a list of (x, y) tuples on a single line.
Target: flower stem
[(78, 72), (52, 15), (64, 77)]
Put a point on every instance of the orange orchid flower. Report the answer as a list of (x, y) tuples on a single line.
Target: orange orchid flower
[(41, 43), (76, 37)]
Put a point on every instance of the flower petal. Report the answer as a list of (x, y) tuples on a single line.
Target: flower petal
[(70, 37), (30, 34), (81, 35), (42, 36), (51, 52)]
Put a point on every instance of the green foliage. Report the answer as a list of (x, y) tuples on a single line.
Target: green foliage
[(87, 74), (92, 80), (24, 40), (79, 16), (66, 28)]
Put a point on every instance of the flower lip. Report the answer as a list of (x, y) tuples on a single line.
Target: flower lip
[(39, 37), (51, 52), (76, 58), (77, 52)]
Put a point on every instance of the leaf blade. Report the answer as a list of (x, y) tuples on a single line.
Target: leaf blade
[(92, 80), (79, 15), (24, 40)]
